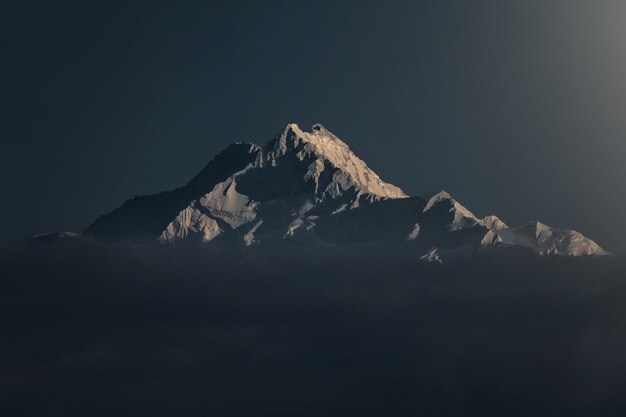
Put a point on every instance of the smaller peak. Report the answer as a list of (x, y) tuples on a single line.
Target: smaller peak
[(292, 127), (318, 127), (290, 131), (289, 138), (435, 197), (493, 222)]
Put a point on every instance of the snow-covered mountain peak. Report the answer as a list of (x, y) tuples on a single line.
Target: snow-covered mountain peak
[(320, 139), (493, 222), (321, 144), (462, 216), (435, 197), (308, 186)]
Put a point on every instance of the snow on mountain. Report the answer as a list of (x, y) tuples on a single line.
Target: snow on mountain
[(546, 240), (462, 216), (296, 173), (310, 187), (326, 150), (146, 217)]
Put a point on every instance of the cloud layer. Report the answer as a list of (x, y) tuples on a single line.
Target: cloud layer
[(92, 330)]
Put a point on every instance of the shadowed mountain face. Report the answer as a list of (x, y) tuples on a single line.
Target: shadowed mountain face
[(310, 187), (145, 217)]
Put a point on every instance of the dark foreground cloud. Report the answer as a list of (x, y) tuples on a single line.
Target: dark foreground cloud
[(91, 330)]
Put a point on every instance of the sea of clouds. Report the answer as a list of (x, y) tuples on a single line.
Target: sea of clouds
[(90, 329)]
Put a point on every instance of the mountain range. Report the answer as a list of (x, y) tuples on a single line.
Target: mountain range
[(309, 187)]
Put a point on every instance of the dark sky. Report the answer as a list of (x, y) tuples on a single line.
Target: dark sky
[(517, 109)]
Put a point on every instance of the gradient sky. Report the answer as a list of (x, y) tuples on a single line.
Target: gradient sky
[(515, 108)]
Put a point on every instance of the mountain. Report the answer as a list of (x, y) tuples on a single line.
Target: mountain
[(309, 187)]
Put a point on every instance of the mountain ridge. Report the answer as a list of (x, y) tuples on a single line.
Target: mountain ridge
[(310, 187)]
